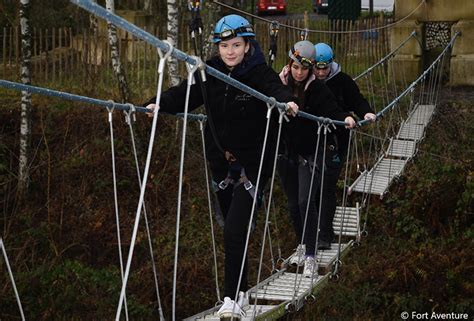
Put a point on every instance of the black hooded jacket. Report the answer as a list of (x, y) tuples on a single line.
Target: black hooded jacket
[(300, 135), (239, 118), (349, 98), (319, 101)]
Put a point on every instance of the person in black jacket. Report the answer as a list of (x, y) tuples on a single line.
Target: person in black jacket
[(300, 140), (350, 99), (234, 137)]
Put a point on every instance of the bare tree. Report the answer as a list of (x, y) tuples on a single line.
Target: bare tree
[(213, 15), (147, 6), (172, 37), (25, 125), (115, 55)]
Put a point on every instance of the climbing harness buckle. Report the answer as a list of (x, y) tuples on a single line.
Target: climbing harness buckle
[(224, 183), (248, 185)]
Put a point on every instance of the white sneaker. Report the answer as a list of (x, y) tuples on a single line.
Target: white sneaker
[(230, 310), (310, 267), (298, 256), (243, 299)]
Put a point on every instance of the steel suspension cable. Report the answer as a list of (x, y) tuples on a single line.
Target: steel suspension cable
[(387, 57), (94, 101), (422, 76)]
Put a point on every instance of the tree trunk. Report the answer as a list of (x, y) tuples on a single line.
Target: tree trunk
[(147, 6), (172, 37), (209, 21), (94, 21), (25, 116), (115, 55)]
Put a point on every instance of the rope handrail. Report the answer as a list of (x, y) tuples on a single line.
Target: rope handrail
[(142, 34), (321, 31), (414, 83), (388, 56), (107, 104)]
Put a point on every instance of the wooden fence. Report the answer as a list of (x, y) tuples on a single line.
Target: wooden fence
[(83, 57)]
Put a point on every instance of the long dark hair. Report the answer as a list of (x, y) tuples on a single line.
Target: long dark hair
[(297, 87)]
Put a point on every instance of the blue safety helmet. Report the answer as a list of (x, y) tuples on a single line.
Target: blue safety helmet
[(232, 26), (324, 55)]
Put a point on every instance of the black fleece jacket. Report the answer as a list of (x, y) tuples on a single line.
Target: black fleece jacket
[(239, 118), (349, 99), (302, 133)]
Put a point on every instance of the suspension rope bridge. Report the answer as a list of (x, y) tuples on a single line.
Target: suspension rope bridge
[(285, 290)]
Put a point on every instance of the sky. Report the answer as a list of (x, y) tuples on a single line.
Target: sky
[(386, 5)]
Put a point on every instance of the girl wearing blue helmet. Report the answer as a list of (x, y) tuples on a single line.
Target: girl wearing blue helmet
[(300, 140), (350, 99), (234, 137)]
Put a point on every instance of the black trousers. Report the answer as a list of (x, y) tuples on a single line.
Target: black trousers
[(236, 207), (295, 175), (296, 181)]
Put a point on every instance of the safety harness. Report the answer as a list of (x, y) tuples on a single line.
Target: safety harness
[(236, 175)]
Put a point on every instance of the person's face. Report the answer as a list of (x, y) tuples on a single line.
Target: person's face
[(322, 73), (298, 72), (232, 51)]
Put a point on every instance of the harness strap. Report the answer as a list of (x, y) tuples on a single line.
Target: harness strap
[(230, 180)]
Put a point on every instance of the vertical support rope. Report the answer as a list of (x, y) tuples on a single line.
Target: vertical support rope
[(313, 170), (206, 172), (267, 214), (344, 205), (321, 190), (117, 216), (191, 70), (161, 67), (129, 118), (254, 203), (10, 273)]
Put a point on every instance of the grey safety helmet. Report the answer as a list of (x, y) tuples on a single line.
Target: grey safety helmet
[(303, 52)]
